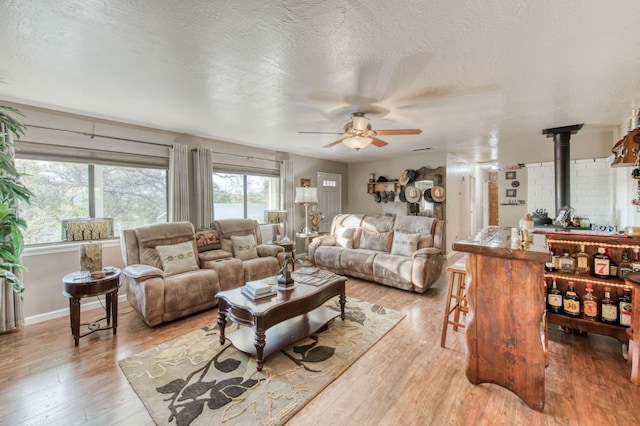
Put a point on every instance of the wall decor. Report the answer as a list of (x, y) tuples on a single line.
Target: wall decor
[(511, 193), (305, 182), (510, 175), (515, 183)]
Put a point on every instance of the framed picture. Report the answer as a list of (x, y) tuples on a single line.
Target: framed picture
[(511, 193), (305, 182), (509, 175)]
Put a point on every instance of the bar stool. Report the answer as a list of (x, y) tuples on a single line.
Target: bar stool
[(456, 291)]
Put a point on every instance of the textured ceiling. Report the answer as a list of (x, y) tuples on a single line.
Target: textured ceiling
[(471, 75)]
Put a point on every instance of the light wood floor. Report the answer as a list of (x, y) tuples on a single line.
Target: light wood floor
[(405, 379)]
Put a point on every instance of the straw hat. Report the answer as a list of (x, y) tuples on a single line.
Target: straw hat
[(412, 194), (438, 194), (407, 176)]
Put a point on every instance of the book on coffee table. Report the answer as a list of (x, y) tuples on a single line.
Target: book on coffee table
[(257, 296)]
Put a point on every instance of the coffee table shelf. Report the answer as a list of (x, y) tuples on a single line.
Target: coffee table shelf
[(283, 334)]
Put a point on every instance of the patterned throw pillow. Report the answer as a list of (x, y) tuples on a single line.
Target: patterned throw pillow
[(404, 243), (374, 240), (178, 258), (207, 239), (244, 247), (344, 237)]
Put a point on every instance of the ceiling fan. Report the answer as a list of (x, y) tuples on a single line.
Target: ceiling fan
[(358, 133)]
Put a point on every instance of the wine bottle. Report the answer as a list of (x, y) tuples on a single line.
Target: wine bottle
[(554, 299), (582, 261), (625, 265), (567, 264), (624, 308), (589, 304), (571, 301), (601, 264), (613, 266), (608, 308)]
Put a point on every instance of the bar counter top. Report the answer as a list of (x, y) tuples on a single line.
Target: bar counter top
[(498, 244)]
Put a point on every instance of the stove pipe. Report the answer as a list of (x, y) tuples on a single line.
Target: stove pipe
[(561, 159)]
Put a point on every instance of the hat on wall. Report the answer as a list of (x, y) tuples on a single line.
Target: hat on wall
[(427, 195), (438, 194), (402, 197), (412, 194), (382, 179), (384, 196), (407, 176), (377, 197)]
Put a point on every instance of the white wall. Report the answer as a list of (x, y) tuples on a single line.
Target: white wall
[(587, 144), (591, 194)]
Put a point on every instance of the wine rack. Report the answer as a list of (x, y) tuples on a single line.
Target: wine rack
[(591, 243)]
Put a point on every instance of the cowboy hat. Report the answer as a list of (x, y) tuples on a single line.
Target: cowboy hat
[(412, 194), (407, 176), (438, 194)]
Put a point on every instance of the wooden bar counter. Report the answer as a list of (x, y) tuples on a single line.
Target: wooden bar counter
[(504, 334)]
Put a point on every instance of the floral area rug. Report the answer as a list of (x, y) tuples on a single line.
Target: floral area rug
[(194, 380)]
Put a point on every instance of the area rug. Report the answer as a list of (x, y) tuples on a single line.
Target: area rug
[(194, 380)]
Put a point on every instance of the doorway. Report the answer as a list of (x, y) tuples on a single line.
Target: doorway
[(329, 198)]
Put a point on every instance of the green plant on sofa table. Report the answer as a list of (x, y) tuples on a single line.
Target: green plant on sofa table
[(11, 192)]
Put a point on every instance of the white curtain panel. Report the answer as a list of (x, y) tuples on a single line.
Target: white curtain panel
[(203, 187), (11, 314), (287, 190), (179, 183)]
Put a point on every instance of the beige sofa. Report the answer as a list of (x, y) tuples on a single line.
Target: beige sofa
[(169, 274), (402, 252)]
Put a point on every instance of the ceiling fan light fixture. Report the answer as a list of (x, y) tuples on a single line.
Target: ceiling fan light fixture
[(360, 124), (357, 142)]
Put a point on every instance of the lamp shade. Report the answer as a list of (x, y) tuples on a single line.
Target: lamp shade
[(357, 142), (306, 194)]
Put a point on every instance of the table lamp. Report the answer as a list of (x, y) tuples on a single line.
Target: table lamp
[(306, 195), (275, 218)]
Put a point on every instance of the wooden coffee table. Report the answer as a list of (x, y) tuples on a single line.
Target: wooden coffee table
[(285, 318)]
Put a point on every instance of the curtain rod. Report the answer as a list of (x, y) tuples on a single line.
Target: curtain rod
[(248, 157), (93, 135)]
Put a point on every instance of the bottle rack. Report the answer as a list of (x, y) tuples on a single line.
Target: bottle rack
[(591, 243)]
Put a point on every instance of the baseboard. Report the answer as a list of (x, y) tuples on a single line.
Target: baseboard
[(65, 312)]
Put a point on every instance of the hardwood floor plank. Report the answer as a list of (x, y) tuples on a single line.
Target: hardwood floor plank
[(405, 379)]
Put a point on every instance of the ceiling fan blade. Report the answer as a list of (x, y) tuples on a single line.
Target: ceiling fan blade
[(333, 143), (378, 142), (398, 132), (324, 133)]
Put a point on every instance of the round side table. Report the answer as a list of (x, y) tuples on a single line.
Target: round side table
[(75, 288)]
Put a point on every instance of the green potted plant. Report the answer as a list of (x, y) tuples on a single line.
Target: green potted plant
[(11, 192)]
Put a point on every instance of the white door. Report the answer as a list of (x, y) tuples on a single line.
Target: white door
[(329, 198)]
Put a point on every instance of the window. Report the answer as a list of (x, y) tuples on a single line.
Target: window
[(132, 196), (247, 196)]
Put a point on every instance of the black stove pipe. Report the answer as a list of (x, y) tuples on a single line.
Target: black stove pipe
[(562, 161)]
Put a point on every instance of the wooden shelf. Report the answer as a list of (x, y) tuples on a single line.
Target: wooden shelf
[(383, 186), (587, 326), (611, 282)]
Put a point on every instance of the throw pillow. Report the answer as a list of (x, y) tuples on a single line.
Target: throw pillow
[(178, 258), (374, 240), (404, 243), (344, 237), (244, 247), (207, 239)]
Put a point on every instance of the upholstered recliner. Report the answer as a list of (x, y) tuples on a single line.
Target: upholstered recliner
[(241, 240), (162, 274)]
